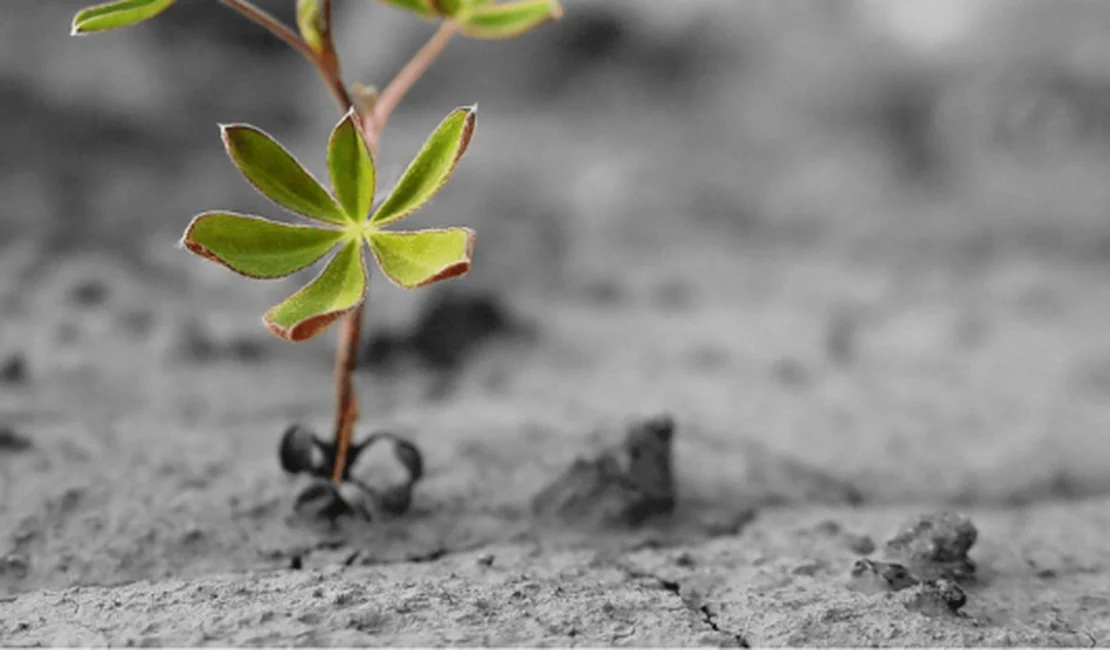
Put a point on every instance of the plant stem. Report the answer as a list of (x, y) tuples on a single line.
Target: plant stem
[(346, 402), (408, 76), (325, 64), (346, 355)]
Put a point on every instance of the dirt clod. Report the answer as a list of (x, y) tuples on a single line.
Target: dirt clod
[(10, 440), (935, 546), (937, 597), (625, 485), (871, 576), (13, 370)]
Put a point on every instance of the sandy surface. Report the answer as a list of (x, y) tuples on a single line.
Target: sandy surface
[(806, 389)]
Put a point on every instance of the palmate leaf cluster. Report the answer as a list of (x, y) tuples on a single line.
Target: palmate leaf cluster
[(341, 219), (489, 19), (344, 218)]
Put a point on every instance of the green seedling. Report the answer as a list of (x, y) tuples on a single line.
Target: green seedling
[(344, 219), (264, 249)]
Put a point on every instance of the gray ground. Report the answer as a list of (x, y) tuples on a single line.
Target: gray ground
[(151, 507), (856, 315)]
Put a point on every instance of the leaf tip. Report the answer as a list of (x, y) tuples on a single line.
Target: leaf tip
[(305, 329), (467, 131)]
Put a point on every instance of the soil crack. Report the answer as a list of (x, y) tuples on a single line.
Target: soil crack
[(691, 600)]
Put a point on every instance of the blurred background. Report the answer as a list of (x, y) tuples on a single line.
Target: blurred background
[(867, 237), (945, 125), (633, 138)]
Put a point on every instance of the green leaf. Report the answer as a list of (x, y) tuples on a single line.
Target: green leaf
[(339, 288), (276, 174), (121, 13), (422, 8), (311, 24), (352, 168), (507, 20), (257, 247), (416, 259), (430, 169)]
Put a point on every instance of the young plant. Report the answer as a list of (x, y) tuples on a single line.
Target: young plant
[(344, 219)]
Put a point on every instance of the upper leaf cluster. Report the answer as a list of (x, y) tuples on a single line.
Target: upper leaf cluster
[(489, 19)]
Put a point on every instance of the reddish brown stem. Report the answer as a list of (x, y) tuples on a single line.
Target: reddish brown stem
[(405, 79), (346, 405), (326, 63)]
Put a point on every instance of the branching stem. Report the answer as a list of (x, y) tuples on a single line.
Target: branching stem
[(326, 63), (407, 77)]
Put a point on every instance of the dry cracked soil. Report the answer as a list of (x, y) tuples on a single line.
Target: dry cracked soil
[(821, 404)]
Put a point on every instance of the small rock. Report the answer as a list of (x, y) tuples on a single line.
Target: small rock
[(870, 576), (935, 546), (296, 563), (12, 441), (685, 559), (486, 559), (625, 485), (13, 370), (937, 597)]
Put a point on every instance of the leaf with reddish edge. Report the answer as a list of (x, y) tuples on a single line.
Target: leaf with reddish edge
[(257, 247), (431, 168), (416, 259), (278, 175), (351, 168), (339, 288)]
